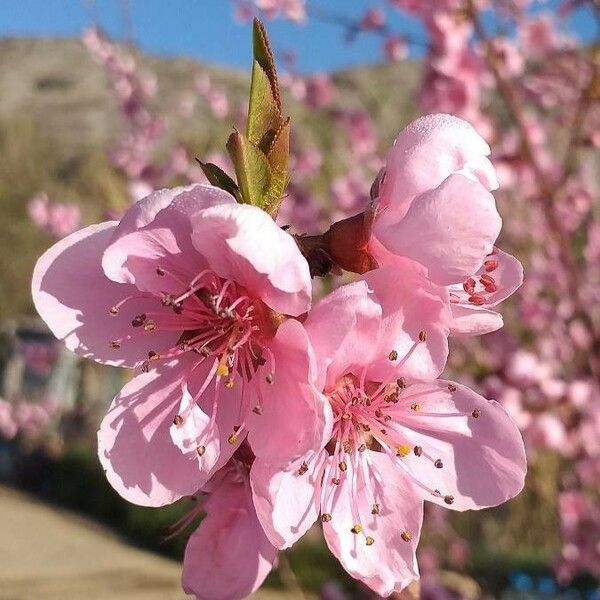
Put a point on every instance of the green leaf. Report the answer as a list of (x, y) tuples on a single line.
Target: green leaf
[(264, 57), (251, 168), (219, 178), (264, 115)]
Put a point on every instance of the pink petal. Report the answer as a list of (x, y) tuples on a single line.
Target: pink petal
[(228, 556), (164, 216), (389, 564), (134, 443), (415, 324), (425, 154), (482, 453), (343, 329), (243, 243), (194, 431), (72, 294), (287, 501), (474, 320), (295, 416), (449, 230)]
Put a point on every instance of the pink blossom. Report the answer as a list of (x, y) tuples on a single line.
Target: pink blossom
[(57, 218), (438, 180), (373, 19), (228, 556), (320, 91), (294, 10), (434, 440), (395, 48), (188, 288)]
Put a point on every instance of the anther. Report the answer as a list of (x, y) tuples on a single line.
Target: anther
[(449, 499), (477, 299), (138, 321), (357, 528), (362, 447), (469, 285), (379, 413), (393, 355), (257, 410), (149, 325), (116, 344), (113, 311), (438, 464), (343, 466), (401, 382), (335, 480), (375, 509), (451, 387), (402, 450), (415, 406), (222, 370), (232, 439), (490, 265), (201, 450), (178, 420), (160, 271), (369, 540), (153, 355), (229, 383), (269, 378), (303, 468), (406, 535), (325, 518), (422, 336), (476, 413), (418, 450)]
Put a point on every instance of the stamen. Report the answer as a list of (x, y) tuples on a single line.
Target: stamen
[(201, 450), (369, 540), (393, 355), (406, 535), (178, 420), (449, 499), (422, 336), (451, 387), (418, 450), (357, 528), (438, 464), (325, 518), (476, 413)]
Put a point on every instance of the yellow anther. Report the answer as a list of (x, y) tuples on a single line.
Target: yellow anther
[(222, 370), (232, 439), (357, 528), (406, 535), (415, 406), (403, 450), (201, 450), (369, 540)]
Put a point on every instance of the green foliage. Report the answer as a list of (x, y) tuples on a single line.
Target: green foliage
[(260, 157)]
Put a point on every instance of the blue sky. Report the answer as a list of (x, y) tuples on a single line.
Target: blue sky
[(205, 29)]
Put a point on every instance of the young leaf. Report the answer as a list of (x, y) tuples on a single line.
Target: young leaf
[(263, 112), (251, 168), (219, 178)]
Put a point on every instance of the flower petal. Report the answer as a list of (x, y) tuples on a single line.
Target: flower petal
[(295, 416), (134, 443), (424, 154), (344, 329), (449, 229), (481, 450), (287, 501), (474, 320), (414, 326), (243, 243), (228, 556), (72, 294), (157, 226), (389, 564)]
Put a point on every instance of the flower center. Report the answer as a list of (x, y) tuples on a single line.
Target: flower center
[(376, 417), (217, 320)]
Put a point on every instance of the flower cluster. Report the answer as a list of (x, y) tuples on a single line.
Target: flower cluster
[(282, 414)]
